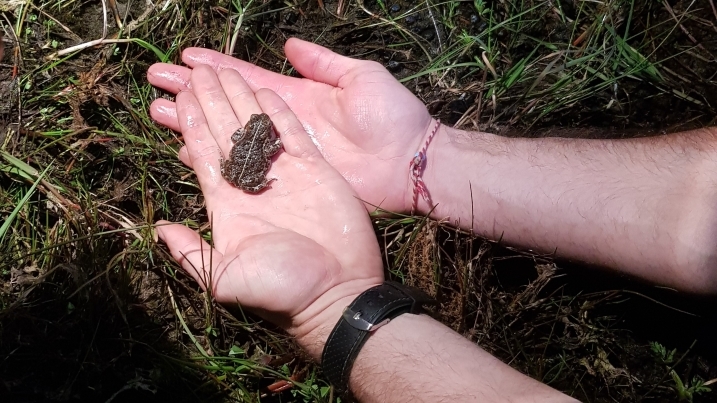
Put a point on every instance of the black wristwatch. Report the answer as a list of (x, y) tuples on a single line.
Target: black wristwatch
[(372, 309)]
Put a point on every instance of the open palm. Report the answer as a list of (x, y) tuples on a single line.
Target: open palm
[(289, 252), (364, 122)]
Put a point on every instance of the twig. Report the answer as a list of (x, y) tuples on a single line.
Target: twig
[(714, 10), (68, 30), (682, 27), (149, 7), (115, 12), (85, 46), (626, 291), (435, 26), (104, 19), (103, 40), (60, 200)]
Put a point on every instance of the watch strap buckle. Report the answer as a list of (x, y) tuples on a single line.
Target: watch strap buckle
[(357, 322)]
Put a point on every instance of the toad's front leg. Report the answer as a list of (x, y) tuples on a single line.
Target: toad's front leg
[(223, 167), (238, 135)]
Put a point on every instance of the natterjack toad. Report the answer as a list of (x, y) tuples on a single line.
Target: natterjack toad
[(250, 157)]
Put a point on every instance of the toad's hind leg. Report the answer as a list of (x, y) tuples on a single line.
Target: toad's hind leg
[(258, 188), (272, 147)]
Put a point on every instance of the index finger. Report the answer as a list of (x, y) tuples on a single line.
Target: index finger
[(254, 75), (174, 78)]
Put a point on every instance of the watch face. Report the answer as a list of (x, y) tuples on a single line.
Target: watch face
[(372, 309)]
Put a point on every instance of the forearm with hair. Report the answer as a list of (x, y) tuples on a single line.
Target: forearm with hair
[(416, 359), (645, 206)]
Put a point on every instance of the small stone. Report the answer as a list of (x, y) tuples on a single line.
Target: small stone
[(474, 18), (290, 18), (393, 66), (411, 19), (395, 8)]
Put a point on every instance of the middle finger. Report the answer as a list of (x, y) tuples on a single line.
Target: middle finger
[(221, 119)]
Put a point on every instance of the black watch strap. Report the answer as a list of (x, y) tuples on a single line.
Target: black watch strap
[(372, 309)]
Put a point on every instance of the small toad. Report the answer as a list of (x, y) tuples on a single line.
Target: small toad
[(250, 157)]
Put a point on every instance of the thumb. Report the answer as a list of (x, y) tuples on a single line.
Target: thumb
[(190, 250), (320, 64)]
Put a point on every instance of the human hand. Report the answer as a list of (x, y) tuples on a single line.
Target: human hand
[(365, 123), (297, 253)]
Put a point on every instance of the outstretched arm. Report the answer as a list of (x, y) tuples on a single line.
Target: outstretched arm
[(303, 249), (642, 206), (645, 205), (417, 359)]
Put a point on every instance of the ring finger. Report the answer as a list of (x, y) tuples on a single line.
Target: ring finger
[(241, 97)]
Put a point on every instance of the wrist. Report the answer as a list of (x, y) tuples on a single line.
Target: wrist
[(438, 153), (313, 332), (370, 311), (458, 171), (417, 193)]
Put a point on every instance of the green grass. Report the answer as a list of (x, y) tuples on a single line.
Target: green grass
[(91, 306)]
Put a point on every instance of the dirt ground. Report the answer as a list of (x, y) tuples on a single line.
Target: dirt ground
[(92, 309)]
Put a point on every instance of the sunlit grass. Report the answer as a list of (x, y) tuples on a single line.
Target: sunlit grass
[(79, 200)]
